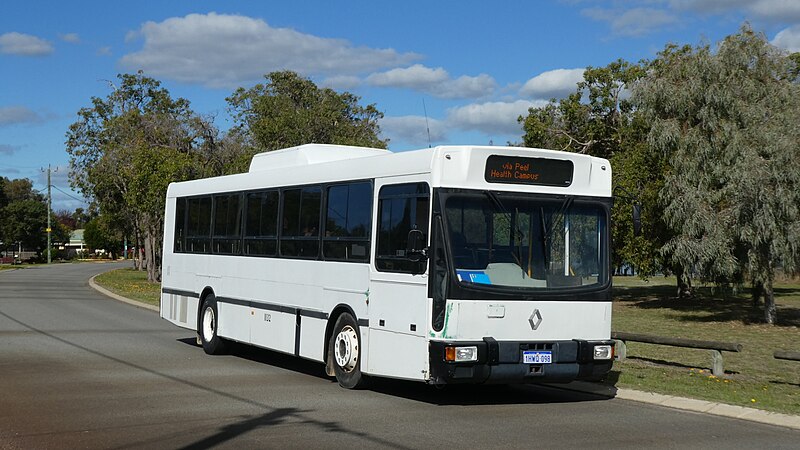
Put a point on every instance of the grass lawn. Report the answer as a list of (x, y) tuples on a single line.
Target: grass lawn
[(131, 284), (752, 377)]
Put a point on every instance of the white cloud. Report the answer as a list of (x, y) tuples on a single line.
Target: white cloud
[(413, 130), (788, 39), (632, 22), (436, 82), (777, 10), (414, 77), (222, 50), (72, 38), (15, 115), (785, 11), (492, 118), (342, 82), (14, 43), (708, 6), (6, 149), (103, 51), (552, 84)]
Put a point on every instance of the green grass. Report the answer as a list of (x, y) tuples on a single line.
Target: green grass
[(131, 284), (753, 377)]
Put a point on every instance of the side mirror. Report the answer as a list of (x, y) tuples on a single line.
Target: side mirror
[(637, 219), (416, 250)]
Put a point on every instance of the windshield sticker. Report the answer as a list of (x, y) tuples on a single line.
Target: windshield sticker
[(473, 276)]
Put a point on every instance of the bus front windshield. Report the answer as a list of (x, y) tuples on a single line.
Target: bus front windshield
[(527, 242)]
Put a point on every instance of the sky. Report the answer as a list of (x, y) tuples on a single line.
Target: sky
[(442, 72)]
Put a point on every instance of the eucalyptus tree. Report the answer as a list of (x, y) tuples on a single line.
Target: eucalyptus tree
[(289, 110), (727, 120), (599, 119), (125, 149)]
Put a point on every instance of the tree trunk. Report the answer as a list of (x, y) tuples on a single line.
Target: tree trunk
[(152, 251), (758, 288), (770, 312), (148, 251), (138, 257), (684, 284)]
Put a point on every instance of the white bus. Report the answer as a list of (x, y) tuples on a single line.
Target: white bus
[(458, 264)]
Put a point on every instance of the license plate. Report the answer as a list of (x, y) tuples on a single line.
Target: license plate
[(533, 357)]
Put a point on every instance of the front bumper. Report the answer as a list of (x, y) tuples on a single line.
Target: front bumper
[(502, 362)]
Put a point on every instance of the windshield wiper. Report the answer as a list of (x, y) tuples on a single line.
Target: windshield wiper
[(555, 217), (516, 251)]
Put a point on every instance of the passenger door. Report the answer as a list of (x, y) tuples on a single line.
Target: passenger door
[(398, 299)]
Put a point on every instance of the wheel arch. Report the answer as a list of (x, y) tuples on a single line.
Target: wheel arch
[(332, 318)]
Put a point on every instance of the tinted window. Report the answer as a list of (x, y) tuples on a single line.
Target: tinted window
[(227, 224), (261, 229), (198, 229), (301, 217), (401, 208), (348, 222), (180, 225)]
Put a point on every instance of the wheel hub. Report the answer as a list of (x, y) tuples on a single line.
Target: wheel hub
[(208, 324), (346, 349)]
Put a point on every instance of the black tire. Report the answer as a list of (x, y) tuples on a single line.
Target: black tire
[(344, 352), (207, 328)]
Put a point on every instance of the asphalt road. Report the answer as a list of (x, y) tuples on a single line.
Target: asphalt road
[(79, 370)]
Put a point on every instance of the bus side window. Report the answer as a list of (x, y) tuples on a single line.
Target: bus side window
[(198, 227), (261, 225), (348, 222), (227, 224), (300, 222), (401, 208), (180, 225)]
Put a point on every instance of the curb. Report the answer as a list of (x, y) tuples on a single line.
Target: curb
[(120, 298), (687, 404)]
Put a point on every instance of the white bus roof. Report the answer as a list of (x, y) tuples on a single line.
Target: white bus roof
[(310, 154), (445, 166)]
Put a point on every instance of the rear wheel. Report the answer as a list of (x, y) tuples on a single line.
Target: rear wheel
[(344, 350), (209, 320)]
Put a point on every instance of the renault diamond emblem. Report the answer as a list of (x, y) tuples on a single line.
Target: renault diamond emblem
[(535, 319)]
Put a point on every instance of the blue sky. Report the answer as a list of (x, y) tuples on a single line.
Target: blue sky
[(474, 66)]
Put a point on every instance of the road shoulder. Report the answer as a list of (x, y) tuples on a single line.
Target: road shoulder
[(687, 404), (120, 298)]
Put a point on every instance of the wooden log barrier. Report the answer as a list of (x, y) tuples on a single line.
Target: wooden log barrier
[(716, 348), (790, 356)]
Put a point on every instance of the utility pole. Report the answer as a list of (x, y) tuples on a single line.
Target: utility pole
[(49, 207)]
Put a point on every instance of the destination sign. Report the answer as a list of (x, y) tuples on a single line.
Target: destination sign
[(538, 171)]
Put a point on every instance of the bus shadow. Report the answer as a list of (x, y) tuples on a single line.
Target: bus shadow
[(451, 395), (272, 358), (477, 395)]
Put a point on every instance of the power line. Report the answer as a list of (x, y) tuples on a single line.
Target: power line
[(69, 195)]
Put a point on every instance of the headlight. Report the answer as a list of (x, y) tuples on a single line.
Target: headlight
[(461, 354), (603, 352)]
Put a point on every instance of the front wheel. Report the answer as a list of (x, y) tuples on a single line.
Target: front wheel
[(209, 321), (344, 350)]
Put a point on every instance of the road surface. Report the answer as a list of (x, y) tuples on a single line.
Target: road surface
[(80, 370)]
